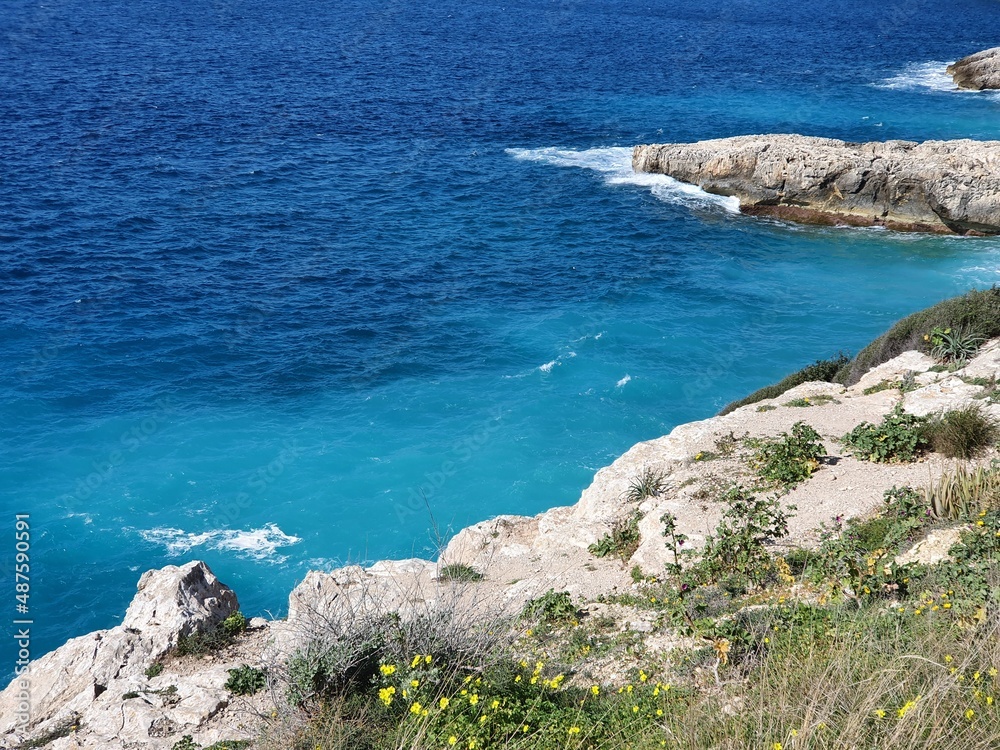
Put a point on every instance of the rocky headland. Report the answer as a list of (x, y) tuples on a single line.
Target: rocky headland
[(128, 687), (945, 187), (977, 72)]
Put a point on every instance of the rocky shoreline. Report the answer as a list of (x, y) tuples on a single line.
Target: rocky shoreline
[(943, 187), (978, 72), (126, 687)]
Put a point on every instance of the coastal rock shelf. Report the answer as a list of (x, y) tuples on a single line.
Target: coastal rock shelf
[(979, 71), (945, 187)]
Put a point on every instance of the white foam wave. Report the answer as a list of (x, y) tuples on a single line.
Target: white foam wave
[(621, 383), (547, 367), (259, 544), (615, 163), (931, 75)]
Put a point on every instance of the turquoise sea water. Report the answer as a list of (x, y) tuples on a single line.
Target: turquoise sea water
[(278, 283)]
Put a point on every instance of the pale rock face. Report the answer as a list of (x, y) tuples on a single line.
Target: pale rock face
[(895, 369), (935, 186), (933, 549), (944, 395), (87, 677), (979, 71), (986, 363)]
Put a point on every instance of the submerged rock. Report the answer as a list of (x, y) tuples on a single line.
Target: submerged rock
[(947, 187), (979, 71)]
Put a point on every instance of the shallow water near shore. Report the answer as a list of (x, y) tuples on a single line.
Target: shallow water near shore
[(285, 290)]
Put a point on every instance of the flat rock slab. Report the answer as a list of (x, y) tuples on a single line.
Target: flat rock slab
[(945, 187)]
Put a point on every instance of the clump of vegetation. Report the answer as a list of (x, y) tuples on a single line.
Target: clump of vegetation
[(551, 608), (819, 400), (961, 433), (154, 670), (736, 550), (899, 437), (623, 540), (647, 483), (246, 680), (953, 346), (964, 492), (788, 459), (210, 641), (977, 311), (460, 572), (823, 370), (187, 743)]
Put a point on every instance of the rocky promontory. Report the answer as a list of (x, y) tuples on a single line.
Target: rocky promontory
[(979, 71), (945, 187)]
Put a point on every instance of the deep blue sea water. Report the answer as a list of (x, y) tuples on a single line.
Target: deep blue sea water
[(277, 278)]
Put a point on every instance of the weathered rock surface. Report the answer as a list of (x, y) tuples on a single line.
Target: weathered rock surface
[(948, 187), (979, 71), (82, 683), (97, 683)]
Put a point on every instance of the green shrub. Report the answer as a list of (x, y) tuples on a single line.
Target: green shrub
[(899, 437), (787, 459), (213, 640), (736, 549), (975, 311), (460, 572), (623, 540), (154, 670), (551, 608), (186, 743), (823, 370), (246, 680), (647, 483), (953, 345), (961, 433)]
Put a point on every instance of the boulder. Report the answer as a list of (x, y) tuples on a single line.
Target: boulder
[(82, 682), (979, 71), (946, 187)]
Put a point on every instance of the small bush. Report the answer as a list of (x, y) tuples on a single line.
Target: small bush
[(460, 572), (953, 345), (961, 433), (788, 459), (154, 670), (551, 608), (965, 492), (623, 540), (186, 743), (246, 680), (736, 549), (899, 437), (213, 640), (823, 370), (647, 483)]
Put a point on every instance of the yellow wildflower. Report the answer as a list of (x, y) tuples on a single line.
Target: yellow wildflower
[(415, 662), (414, 683), (595, 690), (473, 699), (427, 659), (387, 669), (443, 703), (416, 708), (385, 695), (970, 714), (452, 740), (572, 730), (635, 709)]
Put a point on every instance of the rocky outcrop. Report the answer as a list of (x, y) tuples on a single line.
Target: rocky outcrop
[(979, 71), (948, 187), (81, 688)]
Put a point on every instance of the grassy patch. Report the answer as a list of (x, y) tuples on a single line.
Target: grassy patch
[(246, 680), (460, 572), (214, 640), (824, 370), (647, 483), (961, 433)]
